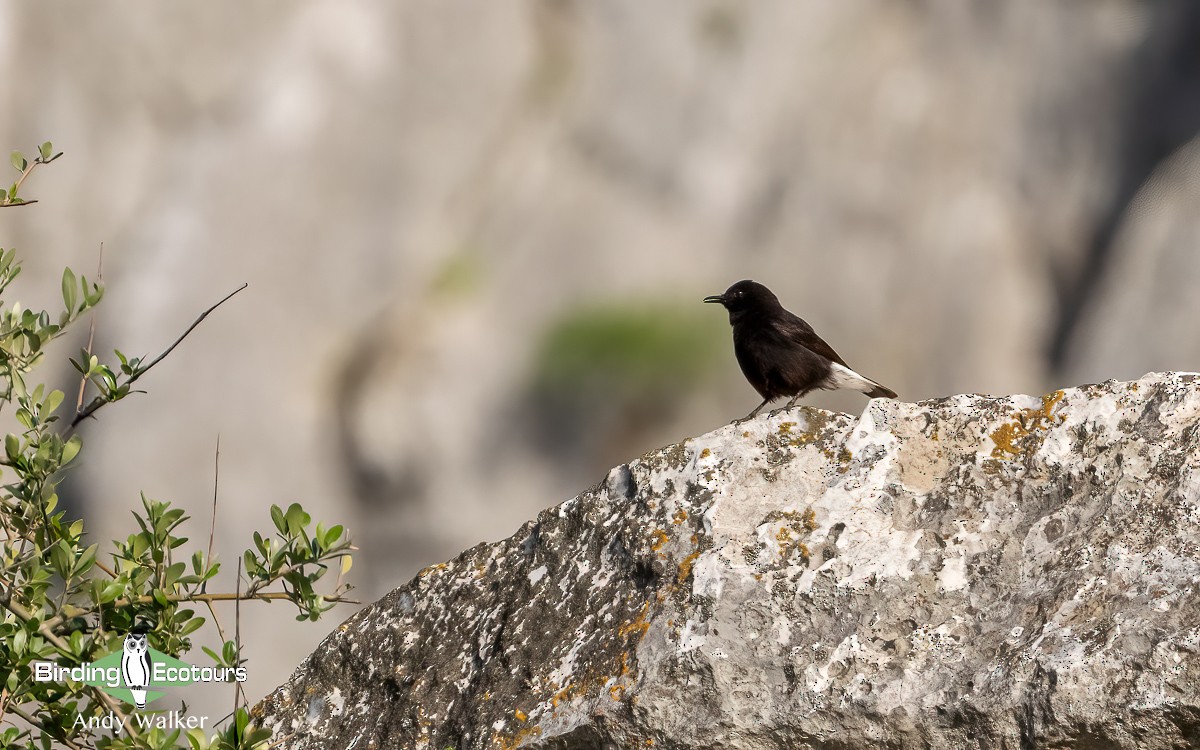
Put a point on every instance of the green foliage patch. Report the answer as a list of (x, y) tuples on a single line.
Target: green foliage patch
[(65, 600)]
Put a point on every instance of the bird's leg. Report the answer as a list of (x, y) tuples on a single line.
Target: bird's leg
[(752, 414), (792, 403)]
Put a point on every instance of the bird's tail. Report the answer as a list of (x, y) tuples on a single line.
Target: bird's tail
[(880, 391), (844, 377)]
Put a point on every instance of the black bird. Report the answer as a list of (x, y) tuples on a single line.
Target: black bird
[(779, 353)]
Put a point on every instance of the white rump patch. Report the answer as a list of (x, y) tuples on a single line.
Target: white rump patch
[(844, 377)]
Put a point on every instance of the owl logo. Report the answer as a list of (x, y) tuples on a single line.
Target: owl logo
[(135, 665)]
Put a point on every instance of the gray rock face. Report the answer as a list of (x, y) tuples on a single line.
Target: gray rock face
[(968, 572)]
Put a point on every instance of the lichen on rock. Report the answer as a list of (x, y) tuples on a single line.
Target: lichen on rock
[(962, 573)]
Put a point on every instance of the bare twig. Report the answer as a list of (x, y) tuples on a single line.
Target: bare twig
[(264, 596), (212, 530), (83, 381), (237, 625), (221, 632), (99, 402)]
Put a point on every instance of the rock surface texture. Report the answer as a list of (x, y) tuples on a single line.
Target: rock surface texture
[(968, 572)]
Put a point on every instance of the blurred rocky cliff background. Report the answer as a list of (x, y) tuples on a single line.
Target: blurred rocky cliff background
[(477, 234)]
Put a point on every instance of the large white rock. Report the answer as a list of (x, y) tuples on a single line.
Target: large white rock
[(966, 572)]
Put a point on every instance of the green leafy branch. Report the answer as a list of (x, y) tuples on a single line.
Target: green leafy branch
[(25, 167), (61, 602)]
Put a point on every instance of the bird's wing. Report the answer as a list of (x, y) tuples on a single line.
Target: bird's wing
[(796, 330), (146, 664)]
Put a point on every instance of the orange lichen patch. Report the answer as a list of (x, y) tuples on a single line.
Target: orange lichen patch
[(639, 625), (746, 434), (705, 453), (517, 739), (566, 694), (1025, 422), (660, 539), (679, 517), (685, 567), (431, 570), (616, 690), (842, 457), (810, 519), (520, 715), (785, 428), (793, 529)]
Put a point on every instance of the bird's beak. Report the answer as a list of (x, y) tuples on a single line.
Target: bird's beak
[(718, 298)]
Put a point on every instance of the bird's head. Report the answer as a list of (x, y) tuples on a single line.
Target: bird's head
[(745, 295)]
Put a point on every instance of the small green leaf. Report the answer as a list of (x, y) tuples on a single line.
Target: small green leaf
[(173, 573), (71, 449), (86, 560), (52, 402), (18, 161), (297, 519), (61, 558), (45, 150), (332, 535), (69, 289)]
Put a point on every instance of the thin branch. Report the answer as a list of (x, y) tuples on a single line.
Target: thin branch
[(83, 381), (221, 632), (212, 530), (237, 624), (264, 596), (29, 167), (28, 171), (99, 402), (33, 721)]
